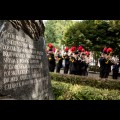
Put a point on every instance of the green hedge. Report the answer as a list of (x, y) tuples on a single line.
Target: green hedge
[(67, 91), (82, 80)]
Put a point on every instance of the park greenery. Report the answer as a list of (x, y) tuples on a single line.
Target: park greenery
[(67, 91), (71, 87), (94, 35)]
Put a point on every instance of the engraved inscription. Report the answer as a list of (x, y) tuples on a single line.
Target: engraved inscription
[(21, 61)]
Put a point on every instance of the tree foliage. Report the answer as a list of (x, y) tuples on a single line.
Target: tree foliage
[(55, 30), (95, 35)]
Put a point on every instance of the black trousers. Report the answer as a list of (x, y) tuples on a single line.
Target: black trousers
[(115, 74), (66, 68), (74, 72), (82, 72), (104, 74), (58, 69), (51, 69)]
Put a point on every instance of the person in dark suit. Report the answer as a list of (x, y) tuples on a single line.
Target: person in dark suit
[(102, 64), (66, 60), (74, 64), (67, 63), (82, 65), (105, 63), (107, 67), (115, 70), (51, 60), (59, 59)]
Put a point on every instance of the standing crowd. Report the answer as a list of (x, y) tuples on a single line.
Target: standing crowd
[(73, 61), (76, 61)]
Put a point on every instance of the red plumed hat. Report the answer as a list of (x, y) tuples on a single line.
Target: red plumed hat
[(66, 49), (50, 45), (83, 50), (73, 49), (109, 50), (80, 48), (87, 53), (105, 50)]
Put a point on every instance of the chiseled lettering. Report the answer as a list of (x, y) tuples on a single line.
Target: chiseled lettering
[(6, 73), (31, 81), (34, 61), (19, 84), (5, 66), (23, 83), (5, 53), (5, 80), (12, 79), (14, 85), (11, 66), (7, 86)]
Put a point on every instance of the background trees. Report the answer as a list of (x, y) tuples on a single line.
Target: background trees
[(55, 31), (94, 35)]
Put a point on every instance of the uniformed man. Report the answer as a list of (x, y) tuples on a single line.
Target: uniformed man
[(108, 63), (66, 60), (82, 65), (74, 64), (102, 64), (58, 59), (105, 64), (51, 60), (88, 60), (115, 70)]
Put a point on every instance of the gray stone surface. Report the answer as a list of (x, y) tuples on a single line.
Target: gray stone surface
[(24, 73)]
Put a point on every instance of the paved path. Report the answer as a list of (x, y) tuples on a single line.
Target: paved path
[(92, 74)]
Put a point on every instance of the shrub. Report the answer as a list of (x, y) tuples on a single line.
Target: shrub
[(83, 80), (79, 92)]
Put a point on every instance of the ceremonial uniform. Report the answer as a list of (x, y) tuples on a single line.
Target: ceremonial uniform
[(51, 62), (67, 63), (82, 66), (115, 71), (107, 70), (105, 67), (58, 63), (74, 66), (102, 64)]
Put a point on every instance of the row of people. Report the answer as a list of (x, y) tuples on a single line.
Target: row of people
[(76, 63)]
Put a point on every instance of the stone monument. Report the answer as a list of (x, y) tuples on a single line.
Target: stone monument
[(24, 73)]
